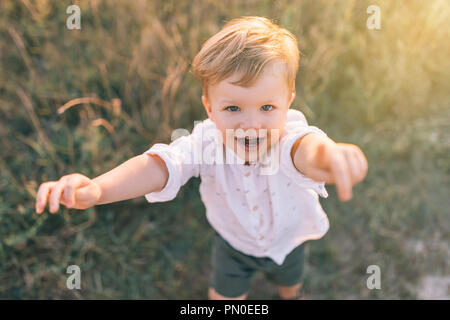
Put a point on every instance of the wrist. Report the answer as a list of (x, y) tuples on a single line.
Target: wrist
[(303, 155), (97, 193)]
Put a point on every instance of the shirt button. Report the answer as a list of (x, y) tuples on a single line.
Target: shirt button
[(265, 250), (255, 208), (247, 174), (261, 238)]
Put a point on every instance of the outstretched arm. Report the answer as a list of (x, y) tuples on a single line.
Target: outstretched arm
[(322, 159), (135, 177)]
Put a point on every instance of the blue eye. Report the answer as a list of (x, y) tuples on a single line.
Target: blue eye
[(267, 105), (229, 108)]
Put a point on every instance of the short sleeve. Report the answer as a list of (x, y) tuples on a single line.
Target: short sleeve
[(182, 163), (296, 127)]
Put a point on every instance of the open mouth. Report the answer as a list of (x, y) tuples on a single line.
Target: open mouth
[(250, 142)]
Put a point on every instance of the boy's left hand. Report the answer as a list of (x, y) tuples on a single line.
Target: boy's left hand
[(337, 163)]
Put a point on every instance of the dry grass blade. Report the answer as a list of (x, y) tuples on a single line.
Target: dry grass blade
[(26, 101), (89, 100)]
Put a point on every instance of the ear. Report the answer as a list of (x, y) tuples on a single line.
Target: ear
[(292, 98), (207, 106)]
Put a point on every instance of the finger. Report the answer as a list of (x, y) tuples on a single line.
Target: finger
[(42, 195), (55, 195), (361, 158), (354, 166), (68, 194), (75, 182), (363, 161), (362, 164), (342, 177)]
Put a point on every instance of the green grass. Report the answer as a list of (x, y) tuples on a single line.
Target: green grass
[(383, 90)]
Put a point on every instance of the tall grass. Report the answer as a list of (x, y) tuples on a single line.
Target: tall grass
[(86, 100)]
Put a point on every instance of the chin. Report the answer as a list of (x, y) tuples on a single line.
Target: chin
[(250, 156)]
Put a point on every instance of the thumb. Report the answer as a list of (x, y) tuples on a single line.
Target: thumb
[(321, 175), (87, 196)]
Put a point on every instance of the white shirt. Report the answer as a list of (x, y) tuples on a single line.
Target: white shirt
[(262, 215)]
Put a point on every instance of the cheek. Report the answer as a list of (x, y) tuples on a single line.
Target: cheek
[(276, 130), (277, 120), (274, 118), (223, 123)]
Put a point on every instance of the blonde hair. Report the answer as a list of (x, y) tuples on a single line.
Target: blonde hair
[(246, 45)]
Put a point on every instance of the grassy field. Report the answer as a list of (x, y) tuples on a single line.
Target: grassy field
[(385, 90)]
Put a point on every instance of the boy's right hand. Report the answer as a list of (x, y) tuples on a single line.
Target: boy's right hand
[(74, 191)]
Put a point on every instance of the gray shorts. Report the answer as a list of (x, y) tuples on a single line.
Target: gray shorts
[(233, 272)]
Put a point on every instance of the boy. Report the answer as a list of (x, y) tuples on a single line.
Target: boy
[(261, 165)]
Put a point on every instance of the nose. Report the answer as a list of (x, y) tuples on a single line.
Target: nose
[(250, 120)]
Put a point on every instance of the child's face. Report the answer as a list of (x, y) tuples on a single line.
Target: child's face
[(264, 105)]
